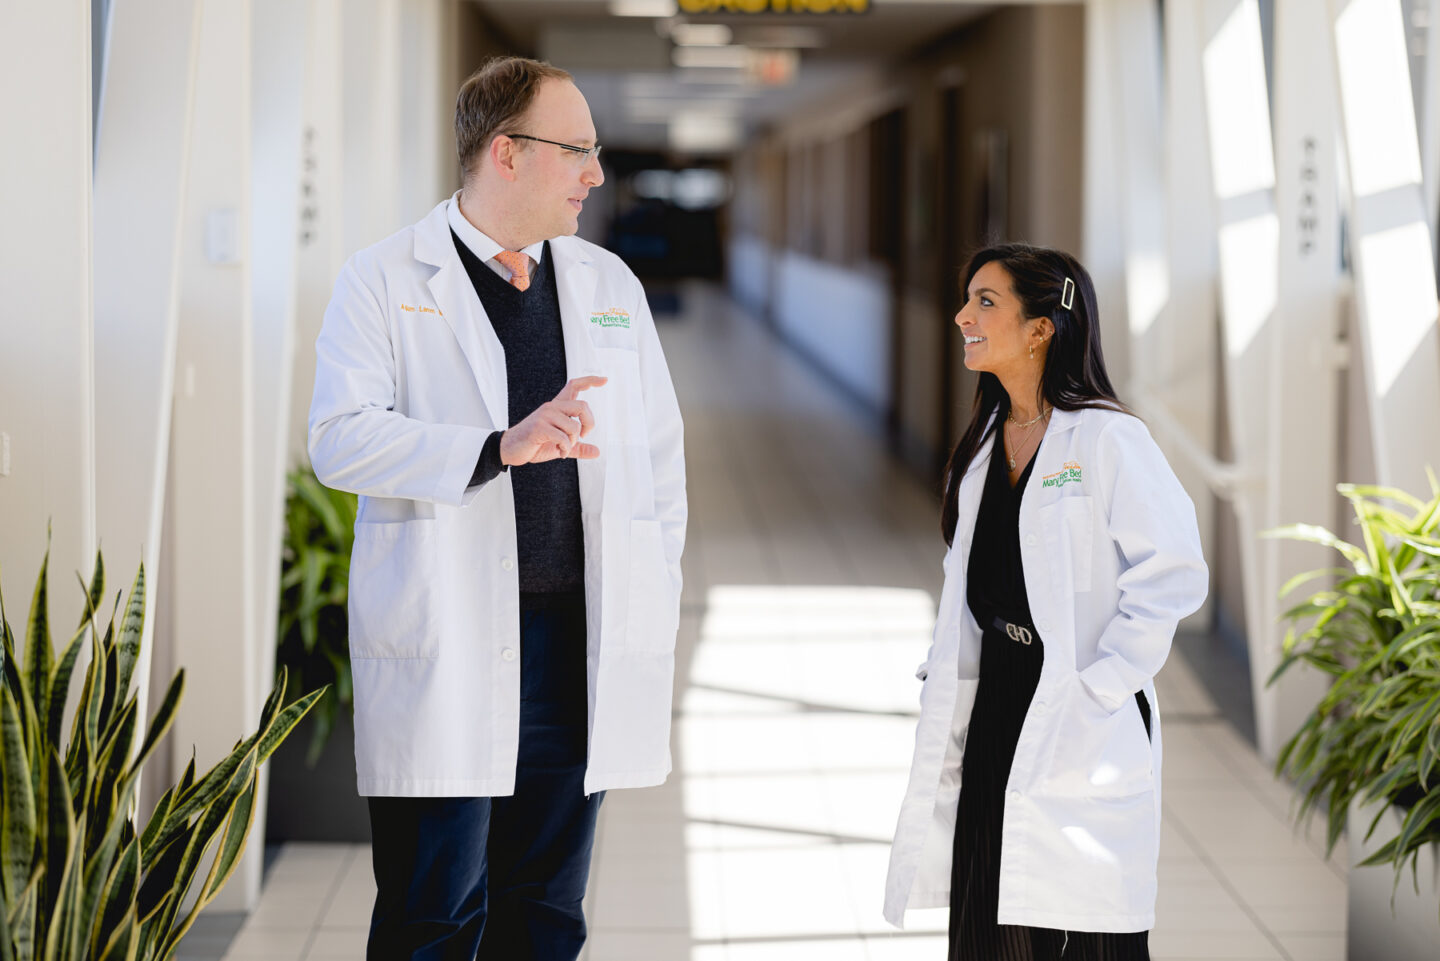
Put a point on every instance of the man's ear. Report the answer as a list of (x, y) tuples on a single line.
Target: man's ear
[(502, 155)]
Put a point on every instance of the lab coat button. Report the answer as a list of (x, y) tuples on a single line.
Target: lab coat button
[(508, 654), (1030, 540), (508, 564)]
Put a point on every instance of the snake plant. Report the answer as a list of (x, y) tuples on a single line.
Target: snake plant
[(80, 876), (1375, 735)]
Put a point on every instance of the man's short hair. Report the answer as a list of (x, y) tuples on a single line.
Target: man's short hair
[(493, 99)]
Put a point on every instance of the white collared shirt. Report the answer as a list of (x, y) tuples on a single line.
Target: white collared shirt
[(483, 247)]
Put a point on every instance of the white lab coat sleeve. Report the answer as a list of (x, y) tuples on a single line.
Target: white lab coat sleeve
[(1163, 577), (358, 441), (667, 439)]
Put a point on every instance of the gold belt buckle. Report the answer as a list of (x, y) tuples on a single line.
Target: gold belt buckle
[(1018, 633)]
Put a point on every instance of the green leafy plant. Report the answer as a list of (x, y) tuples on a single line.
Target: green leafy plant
[(314, 588), (1375, 735), (80, 877)]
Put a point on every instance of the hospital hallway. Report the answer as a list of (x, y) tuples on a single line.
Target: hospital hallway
[(812, 569)]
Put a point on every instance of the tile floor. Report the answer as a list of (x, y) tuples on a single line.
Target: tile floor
[(811, 572)]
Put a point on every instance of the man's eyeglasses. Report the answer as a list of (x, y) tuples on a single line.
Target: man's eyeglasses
[(587, 153)]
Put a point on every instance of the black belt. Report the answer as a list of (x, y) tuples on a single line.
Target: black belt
[(1024, 633)]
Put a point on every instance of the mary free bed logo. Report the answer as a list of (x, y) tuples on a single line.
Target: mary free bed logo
[(1069, 473), (614, 317)]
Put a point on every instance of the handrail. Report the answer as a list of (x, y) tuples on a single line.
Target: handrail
[(1225, 479)]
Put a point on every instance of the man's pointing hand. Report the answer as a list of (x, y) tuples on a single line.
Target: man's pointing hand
[(554, 429)]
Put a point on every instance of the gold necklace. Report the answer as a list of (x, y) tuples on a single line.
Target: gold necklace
[(1011, 418), (1010, 458)]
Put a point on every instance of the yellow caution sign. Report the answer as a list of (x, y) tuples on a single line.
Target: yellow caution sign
[(774, 6)]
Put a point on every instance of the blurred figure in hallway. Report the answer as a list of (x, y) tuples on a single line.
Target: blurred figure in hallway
[(494, 389), (1037, 818)]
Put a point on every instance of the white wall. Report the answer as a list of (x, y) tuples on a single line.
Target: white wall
[(1390, 239), (372, 130), (749, 271), (141, 168), (841, 318), (428, 169), (213, 604), (321, 244), (46, 344), (279, 43), (838, 316)]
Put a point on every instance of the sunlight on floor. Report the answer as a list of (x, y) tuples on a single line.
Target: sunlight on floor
[(796, 735)]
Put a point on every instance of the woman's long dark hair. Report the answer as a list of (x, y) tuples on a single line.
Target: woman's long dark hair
[(1074, 376)]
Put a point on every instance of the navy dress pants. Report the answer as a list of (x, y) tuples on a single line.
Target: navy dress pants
[(462, 878)]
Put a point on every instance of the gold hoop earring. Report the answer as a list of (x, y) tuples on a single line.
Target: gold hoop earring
[(1032, 351)]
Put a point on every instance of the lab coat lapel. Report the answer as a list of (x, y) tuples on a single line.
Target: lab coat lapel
[(575, 281), (972, 485), (460, 306)]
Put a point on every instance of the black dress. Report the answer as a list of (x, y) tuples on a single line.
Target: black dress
[(1009, 674)]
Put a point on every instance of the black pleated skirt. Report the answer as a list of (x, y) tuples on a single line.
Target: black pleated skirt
[(1009, 674)]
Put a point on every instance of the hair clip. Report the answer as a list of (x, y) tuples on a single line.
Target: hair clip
[(1067, 294)]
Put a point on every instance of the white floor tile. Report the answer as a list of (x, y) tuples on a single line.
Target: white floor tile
[(1315, 947), (335, 944), (611, 945), (1214, 946)]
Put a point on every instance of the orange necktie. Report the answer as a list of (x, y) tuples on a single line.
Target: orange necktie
[(519, 266)]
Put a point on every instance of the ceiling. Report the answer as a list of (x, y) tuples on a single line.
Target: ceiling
[(641, 100)]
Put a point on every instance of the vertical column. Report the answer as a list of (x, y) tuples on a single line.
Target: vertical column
[(1103, 241), (212, 463), (47, 473), (279, 44), (1301, 464), (1135, 33), (1243, 176), (1390, 241), (1430, 117), (321, 240), (425, 118), (372, 131), (1185, 377), (141, 164)]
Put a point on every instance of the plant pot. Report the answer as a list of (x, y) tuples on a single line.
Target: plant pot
[(1375, 933), (320, 803)]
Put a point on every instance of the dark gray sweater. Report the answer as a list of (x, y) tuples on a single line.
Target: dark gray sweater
[(547, 496)]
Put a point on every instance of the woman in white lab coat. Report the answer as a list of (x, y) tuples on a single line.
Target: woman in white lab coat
[(1033, 809)]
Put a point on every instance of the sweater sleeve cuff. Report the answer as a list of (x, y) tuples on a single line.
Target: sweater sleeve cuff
[(489, 466)]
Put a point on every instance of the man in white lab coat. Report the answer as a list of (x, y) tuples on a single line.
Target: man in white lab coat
[(494, 389)]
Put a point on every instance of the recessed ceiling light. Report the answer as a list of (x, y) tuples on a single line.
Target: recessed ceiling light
[(729, 58), (643, 8), (701, 34), (702, 134), (807, 38)]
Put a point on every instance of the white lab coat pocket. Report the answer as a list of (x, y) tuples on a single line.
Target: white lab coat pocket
[(1069, 526), (619, 406), (620, 336), (393, 591), (1093, 858), (654, 616), (1099, 753)]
